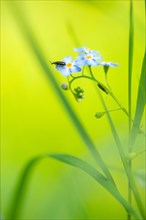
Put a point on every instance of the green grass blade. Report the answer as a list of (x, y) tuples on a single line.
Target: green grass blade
[(141, 101), (90, 170), (46, 70), (72, 34), (21, 188), (73, 161), (128, 171), (131, 33), (130, 62)]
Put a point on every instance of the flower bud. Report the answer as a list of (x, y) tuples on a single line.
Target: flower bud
[(99, 114), (64, 86), (79, 94), (132, 155)]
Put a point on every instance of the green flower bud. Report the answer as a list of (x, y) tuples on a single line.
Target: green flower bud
[(77, 89), (79, 94), (78, 97), (99, 114), (132, 155)]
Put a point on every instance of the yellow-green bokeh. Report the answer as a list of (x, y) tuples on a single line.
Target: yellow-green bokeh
[(34, 120)]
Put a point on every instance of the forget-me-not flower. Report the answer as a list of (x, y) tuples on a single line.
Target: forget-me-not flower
[(85, 50), (69, 67), (91, 59), (109, 64), (106, 65)]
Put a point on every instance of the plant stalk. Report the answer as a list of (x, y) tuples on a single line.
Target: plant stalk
[(130, 61)]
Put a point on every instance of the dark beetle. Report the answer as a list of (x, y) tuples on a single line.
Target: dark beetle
[(60, 63)]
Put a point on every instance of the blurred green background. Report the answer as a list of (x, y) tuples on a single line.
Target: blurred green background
[(34, 121)]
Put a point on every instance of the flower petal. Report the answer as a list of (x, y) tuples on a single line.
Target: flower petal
[(80, 60), (75, 69), (59, 67), (64, 71), (80, 49), (67, 59), (91, 62), (111, 64), (97, 57)]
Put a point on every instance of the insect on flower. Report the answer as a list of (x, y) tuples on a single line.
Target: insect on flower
[(67, 66), (60, 63)]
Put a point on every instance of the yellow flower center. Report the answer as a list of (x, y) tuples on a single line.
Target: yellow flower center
[(88, 57), (69, 65)]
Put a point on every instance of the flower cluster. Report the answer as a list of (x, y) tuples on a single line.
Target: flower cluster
[(86, 57), (78, 94)]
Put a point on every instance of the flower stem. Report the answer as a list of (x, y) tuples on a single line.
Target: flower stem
[(113, 110), (130, 62), (107, 89), (107, 81)]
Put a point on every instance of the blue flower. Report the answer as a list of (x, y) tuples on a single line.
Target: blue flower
[(91, 59), (69, 67), (85, 50), (108, 64)]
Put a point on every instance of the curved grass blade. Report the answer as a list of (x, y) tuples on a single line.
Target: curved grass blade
[(124, 160), (21, 188), (73, 116), (141, 101), (90, 170), (73, 161), (131, 37)]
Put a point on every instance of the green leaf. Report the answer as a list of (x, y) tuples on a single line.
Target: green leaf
[(75, 162), (91, 171), (141, 101), (131, 37), (21, 188)]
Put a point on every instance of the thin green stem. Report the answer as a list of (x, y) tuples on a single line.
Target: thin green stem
[(107, 89), (128, 171), (130, 61), (107, 81), (138, 154), (119, 145), (113, 110), (83, 70), (91, 73)]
